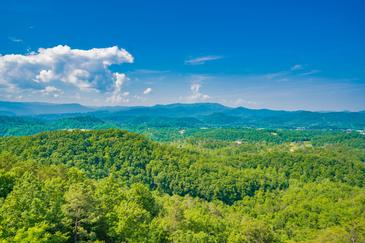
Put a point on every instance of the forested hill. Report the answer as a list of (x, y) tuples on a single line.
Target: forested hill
[(187, 170), (119, 186)]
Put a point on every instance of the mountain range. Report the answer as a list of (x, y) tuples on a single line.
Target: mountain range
[(175, 115)]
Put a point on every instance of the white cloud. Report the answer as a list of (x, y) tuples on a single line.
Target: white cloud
[(44, 76), (51, 90), (64, 67), (14, 39), (117, 96), (202, 60), (147, 91), (315, 71), (196, 95), (297, 67), (244, 102)]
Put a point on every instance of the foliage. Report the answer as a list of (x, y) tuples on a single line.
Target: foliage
[(116, 186)]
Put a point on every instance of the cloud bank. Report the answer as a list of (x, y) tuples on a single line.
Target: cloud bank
[(50, 70)]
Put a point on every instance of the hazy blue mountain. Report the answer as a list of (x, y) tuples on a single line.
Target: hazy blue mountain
[(36, 108), (7, 113), (65, 116), (208, 114), (174, 110)]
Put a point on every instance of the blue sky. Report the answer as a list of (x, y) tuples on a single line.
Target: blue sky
[(260, 54)]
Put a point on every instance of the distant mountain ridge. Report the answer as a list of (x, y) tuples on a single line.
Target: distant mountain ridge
[(38, 108), (181, 115), (175, 109)]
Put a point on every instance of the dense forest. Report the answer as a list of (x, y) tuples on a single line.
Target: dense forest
[(199, 185)]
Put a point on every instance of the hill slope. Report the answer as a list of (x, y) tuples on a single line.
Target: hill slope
[(117, 186)]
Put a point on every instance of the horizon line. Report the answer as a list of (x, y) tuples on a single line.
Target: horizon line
[(180, 103)]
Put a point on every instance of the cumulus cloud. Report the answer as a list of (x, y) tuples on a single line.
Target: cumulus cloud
[(147, 91), (202, 60), (44, 76), (51, 90), (196, 95), (63, 66), (117, 95)]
